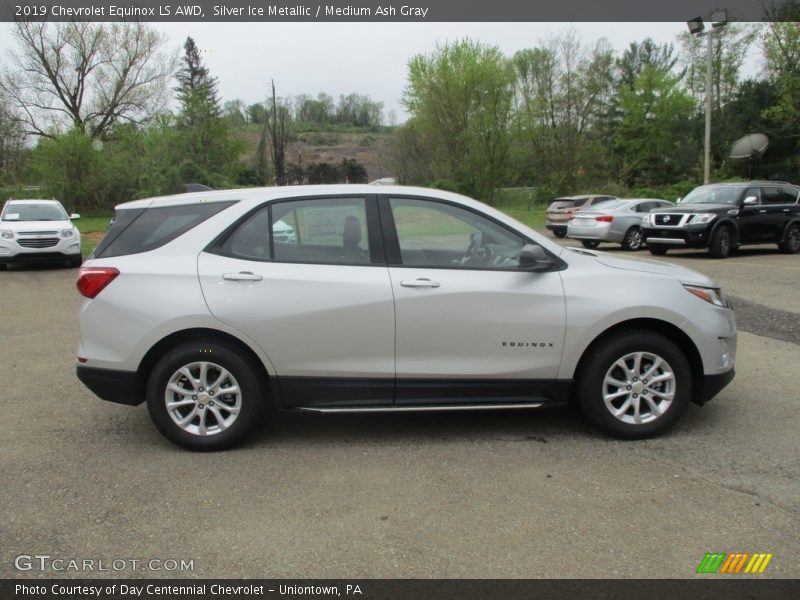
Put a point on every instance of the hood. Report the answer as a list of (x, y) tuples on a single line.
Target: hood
[(655, 267), (695, 208), (35, 226)]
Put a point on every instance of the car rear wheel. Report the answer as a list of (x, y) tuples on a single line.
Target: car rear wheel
[(205, 396), (559, 233), (657, 249), (635, 385), (721, 242), (791, 239), (3, 267), (633, 239), (590, 243)]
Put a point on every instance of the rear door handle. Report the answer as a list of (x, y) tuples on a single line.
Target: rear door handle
[(422, 282), (241, 276)]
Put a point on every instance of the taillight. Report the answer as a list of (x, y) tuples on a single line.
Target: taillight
[(93, 280), (604, 218), (571, 213)]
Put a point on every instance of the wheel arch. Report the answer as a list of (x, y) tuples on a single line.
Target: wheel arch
[(668, 330), (177, 338), (726, 222)]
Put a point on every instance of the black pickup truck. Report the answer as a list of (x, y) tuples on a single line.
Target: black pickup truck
[(723, 216)]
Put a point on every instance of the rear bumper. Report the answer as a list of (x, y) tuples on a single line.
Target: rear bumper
[(114, 386), (711, 385)]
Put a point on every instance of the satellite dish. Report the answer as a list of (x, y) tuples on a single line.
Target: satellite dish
[(750, 146)]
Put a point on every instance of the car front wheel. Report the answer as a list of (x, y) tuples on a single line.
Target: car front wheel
[(657, 249), (721, 242), (635, 385), (205, 396)]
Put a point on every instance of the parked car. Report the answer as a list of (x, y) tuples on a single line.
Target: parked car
[(723, 216), (38, 231), (618, 221), (561, 211), (391, 299)]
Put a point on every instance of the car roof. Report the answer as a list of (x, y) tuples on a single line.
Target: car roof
[(265, 194)]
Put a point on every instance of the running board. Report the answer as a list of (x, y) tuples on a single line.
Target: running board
[(380, 409)]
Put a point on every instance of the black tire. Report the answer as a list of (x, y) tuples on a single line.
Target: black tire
[(590, 244), (633, 239), (657, 249), (207, 405), (3, 266), (601, 360), (76, 262), (560, 232), (790, 244), (721, 242)]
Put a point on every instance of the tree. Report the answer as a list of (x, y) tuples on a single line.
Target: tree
[(12, 145), (209, 146), (561, 88), (278, 127), (651, 136), (460, 97), (87, 76)]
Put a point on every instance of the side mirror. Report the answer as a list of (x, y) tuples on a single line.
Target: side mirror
[(750, 201), (534, 258), (74, 216)]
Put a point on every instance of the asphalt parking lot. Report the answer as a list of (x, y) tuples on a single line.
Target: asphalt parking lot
[(494, 495)]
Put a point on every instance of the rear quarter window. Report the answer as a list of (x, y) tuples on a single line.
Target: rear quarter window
[(134, 231)]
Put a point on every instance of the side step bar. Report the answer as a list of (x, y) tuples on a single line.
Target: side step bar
[(380, 409)]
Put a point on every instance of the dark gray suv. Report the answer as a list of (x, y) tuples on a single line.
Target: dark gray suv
[(723, 216)]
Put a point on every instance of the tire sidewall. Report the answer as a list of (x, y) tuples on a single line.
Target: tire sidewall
[(716, 248), (600, 358), (242, 369)]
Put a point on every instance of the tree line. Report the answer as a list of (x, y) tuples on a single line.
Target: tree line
[(566, 117), (561, 117)]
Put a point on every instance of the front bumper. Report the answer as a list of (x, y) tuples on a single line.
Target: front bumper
[(696, 236), (11, 252), (121, 387), (711, 385)]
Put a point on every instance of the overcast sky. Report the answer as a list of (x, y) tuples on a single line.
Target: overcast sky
[(364, 58)]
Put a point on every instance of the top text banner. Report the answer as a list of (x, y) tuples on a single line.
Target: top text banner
[(375, 11)]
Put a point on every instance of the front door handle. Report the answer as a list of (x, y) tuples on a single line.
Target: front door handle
[(762, 210), (422, 282), (241, 276)]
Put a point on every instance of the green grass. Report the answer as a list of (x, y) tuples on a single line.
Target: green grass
[(91, 225), (532, 218)]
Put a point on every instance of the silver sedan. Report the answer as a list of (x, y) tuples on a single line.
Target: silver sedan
[(617, 221)]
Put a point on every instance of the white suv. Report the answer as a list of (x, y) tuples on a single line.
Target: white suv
[(38, 231), (383, 299)]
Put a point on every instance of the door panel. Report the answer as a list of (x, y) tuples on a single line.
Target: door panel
[(311, 320), (478, 324)]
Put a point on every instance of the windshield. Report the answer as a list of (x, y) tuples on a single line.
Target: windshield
[(714, 194), (34, 212)]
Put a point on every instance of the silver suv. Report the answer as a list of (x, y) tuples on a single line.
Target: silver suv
[(389, 299)]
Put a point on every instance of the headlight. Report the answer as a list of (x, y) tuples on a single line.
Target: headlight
[(67, 233), (712, 295), (6, 234), (646, 220), (702, 218)]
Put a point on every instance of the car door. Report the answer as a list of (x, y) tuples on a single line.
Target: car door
[(307, 280), (470, 325), (750, 219)]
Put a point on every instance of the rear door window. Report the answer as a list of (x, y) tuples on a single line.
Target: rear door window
[(140, 230)]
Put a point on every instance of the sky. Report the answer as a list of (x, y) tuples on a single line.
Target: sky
[(364, 58)]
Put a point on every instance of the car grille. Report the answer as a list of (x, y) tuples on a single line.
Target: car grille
[(669, 220), (38, 243), (38, 233)]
